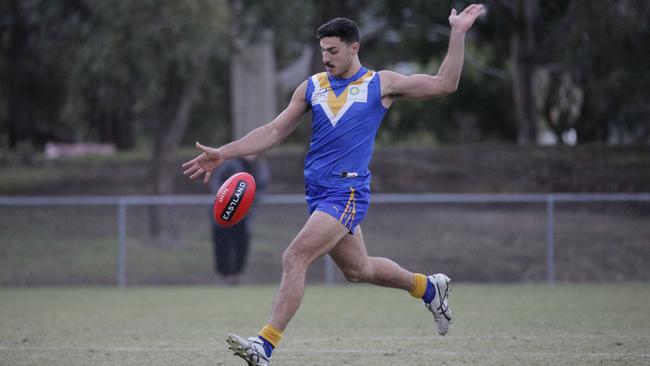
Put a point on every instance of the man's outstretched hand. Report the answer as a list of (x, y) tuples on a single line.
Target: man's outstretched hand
[(209, 159), (464, 21)]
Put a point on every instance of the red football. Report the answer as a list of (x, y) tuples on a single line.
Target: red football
[(234, 199)]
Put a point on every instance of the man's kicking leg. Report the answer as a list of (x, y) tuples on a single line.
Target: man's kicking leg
[(351, 257), (320, 234)]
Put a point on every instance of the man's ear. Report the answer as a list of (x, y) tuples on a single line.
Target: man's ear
[(355, 47)]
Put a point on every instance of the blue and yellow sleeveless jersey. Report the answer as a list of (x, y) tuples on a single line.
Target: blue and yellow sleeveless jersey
[(346, 114)]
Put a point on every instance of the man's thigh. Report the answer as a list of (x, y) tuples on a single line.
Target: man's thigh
[(350, 253), (320, 234)]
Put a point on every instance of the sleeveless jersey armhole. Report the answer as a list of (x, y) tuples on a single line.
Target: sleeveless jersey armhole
[(381, 105), (309, 90)]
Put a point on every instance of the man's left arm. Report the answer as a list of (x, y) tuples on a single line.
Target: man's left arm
[(422, 86)]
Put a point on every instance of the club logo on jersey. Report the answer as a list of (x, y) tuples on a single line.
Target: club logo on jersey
[(335, 105)]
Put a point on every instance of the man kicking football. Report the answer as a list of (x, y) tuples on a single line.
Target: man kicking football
[(347, 103)]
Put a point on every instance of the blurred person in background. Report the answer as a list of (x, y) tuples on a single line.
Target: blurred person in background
[(231, 244), (347, 103)]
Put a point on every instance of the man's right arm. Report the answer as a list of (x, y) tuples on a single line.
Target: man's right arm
[(274, 132), (255, 142)]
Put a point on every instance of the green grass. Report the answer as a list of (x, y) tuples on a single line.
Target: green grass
[(524, 324)]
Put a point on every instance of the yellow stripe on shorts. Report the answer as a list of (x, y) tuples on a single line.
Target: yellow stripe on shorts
[(352, 214), (347, 206)]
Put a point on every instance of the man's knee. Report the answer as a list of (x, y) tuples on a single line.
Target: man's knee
[(293, 260), (356, 275)]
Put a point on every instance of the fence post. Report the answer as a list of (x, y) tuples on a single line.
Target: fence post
[(121, 242), (550, 243)]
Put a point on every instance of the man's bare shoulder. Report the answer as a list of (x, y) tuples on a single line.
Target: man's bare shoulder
[(387, 78), (390, 75), (299, 93), (303, 85)]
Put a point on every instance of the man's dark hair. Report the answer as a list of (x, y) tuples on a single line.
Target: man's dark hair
[(344, 28)]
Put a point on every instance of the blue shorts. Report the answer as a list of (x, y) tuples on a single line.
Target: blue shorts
[(348, 206)]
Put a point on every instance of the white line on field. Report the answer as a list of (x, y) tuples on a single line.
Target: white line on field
[(479, 354), (607, 337), (320, 351), (108, 349)]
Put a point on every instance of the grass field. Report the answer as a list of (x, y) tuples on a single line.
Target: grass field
[(524, 324)]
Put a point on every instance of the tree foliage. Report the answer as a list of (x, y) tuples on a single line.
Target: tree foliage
[(34, 60), (116, 71), (590, 51), (415, 41), (107, 70), (609, 45)]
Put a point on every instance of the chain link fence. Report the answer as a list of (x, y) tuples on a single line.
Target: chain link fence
[(155, 240)]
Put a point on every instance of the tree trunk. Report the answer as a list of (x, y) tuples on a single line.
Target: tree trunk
[(253, 94), (164, 167), (522, 60), (253, 83)]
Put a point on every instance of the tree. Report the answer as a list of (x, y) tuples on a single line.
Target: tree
[(36, 38), (130, 72), (252, 70), (415, 40), (143, 64), (521, 16), (265, 38), (608, 43)]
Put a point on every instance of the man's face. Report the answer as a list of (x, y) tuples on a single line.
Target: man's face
[(337, 55)]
